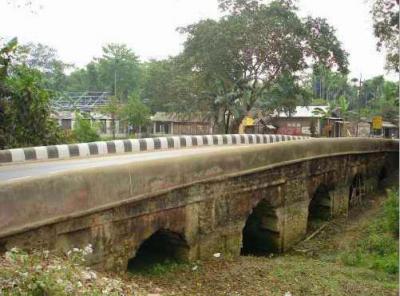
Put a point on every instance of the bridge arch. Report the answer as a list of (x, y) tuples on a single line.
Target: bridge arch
[(161, 246), (261, 233), (320, 203), (383, 174), (320, 206)]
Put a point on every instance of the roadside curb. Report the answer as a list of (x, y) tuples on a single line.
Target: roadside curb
[(82, 150)]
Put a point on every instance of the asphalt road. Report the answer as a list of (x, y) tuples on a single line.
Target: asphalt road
[(41, 168)]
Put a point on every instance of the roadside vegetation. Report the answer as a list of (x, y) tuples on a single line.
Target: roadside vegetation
[(43, 273), (378, 247), (223, 71)]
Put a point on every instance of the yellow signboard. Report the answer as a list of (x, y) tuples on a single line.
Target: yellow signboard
[(248, 121), (377, 122)]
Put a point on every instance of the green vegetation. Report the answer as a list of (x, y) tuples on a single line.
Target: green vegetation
[(24, 104), (239, 62), (83, 130), (269, 276), (150, 267), (117, 71), (385, 15), (112, 109), (135, 113), (378, 249), (257, 56), (44, 273)]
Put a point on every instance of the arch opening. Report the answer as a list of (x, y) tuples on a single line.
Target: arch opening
[(357, 191), (383, 174), (261, 234), (161, 247), (319, 209), (382, 177)]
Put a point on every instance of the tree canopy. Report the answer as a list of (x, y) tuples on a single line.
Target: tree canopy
[(385, 14), (117, 71), (244, 53), (259, 56), (24, 104)]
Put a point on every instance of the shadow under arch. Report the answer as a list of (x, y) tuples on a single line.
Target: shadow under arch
[(161, 247), (320, 207), (383, 177), (261, 233), (320, 204), (357, 191)]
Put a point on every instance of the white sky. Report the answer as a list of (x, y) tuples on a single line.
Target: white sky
[(78, 28)]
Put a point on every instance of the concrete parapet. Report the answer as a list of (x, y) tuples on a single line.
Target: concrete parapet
[(101, 148)]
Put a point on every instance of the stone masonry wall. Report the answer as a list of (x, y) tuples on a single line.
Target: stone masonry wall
[(211, 215)]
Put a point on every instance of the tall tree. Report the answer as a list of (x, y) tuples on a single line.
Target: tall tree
[(246, 52), (330, 85), (285, 95), (119, 70), (385, 14), (170, 86), (85, 79), (45, 59)]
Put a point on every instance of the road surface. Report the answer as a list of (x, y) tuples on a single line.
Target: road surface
[(14, 172)]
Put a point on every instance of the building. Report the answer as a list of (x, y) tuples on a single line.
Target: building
[(164, 123), (388, 130), (305, 120), (103, 123), (364, 128), (66, 106)]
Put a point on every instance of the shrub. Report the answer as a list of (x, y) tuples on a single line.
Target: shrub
[(43, 273), (83, 130), (379, 247), (391, 212)]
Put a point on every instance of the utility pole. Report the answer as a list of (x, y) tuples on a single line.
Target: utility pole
[(359, 89), (115, 83)]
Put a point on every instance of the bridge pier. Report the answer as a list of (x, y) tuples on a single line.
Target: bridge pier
[(339, 200)]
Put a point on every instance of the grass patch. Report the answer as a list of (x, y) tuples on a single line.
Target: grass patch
[(378, 247), (157, 269)]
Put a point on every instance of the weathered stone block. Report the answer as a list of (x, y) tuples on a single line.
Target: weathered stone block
[(295, 223), (339, 200)]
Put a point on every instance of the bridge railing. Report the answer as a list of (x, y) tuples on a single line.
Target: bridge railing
[(101, 148)]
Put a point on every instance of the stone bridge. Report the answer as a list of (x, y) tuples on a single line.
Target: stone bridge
[(247, 198)]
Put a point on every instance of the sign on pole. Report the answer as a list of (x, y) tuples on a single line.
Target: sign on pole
[(248, 121), (377, 122)]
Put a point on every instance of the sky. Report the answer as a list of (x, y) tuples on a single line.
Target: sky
[(79, 28)]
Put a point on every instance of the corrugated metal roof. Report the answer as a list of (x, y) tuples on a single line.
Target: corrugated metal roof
[(304, 111), (389, 124)]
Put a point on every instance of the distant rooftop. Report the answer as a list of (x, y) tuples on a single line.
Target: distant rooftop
[(80, 101), (304, 111)]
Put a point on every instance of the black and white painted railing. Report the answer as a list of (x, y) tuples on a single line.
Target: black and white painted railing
[(134, 145)]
